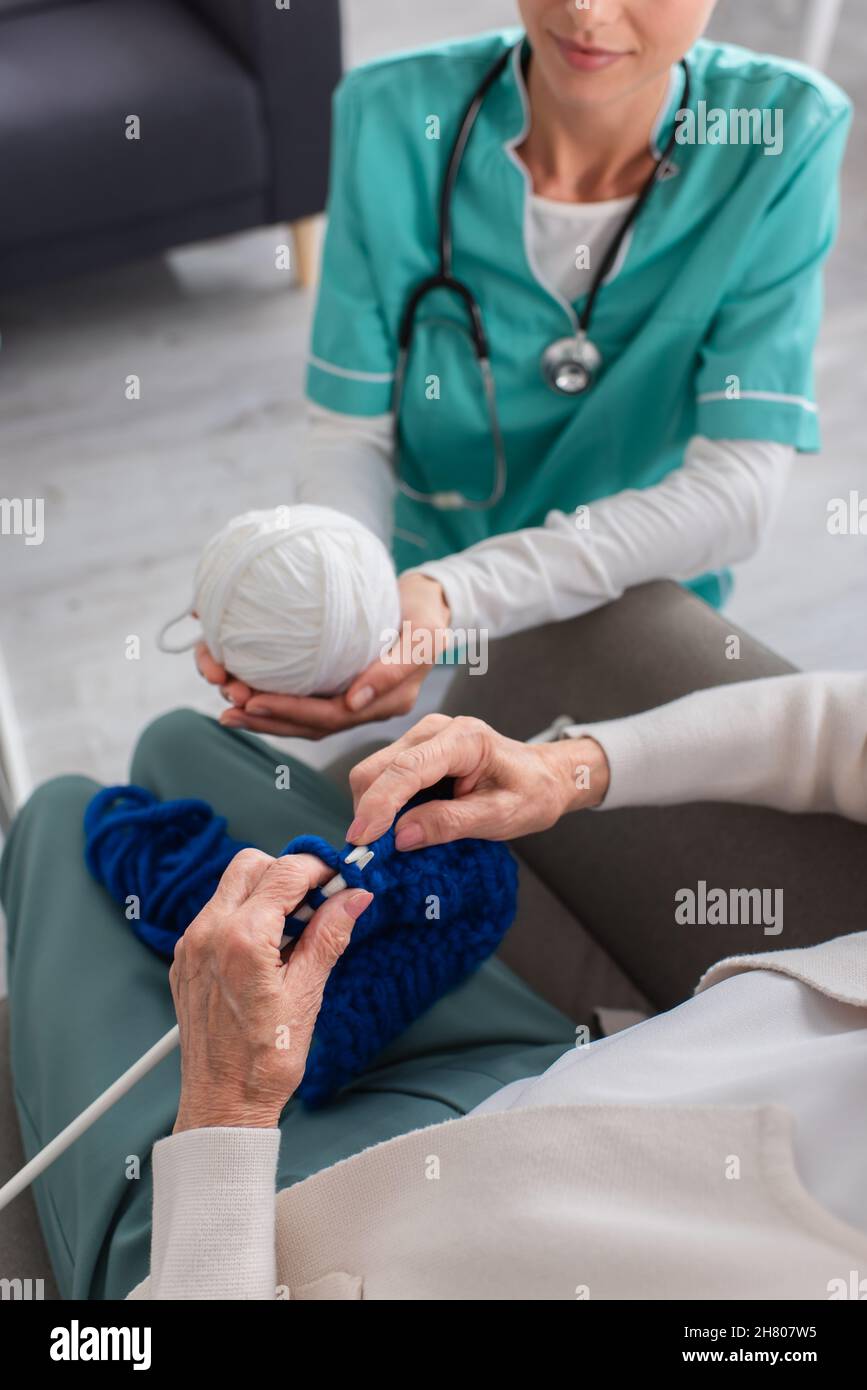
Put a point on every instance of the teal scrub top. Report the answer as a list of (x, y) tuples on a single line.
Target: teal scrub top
[(706, 326)]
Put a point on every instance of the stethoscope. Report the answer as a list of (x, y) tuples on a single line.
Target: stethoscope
[(569, 366)]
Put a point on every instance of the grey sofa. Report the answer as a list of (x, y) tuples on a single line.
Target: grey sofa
[(601, 935), (233, 99)]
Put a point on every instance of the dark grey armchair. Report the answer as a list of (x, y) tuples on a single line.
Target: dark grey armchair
[(233, 101)]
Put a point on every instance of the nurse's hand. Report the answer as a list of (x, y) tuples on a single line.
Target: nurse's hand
[(245, 1012), (384, 689), (502, 788)]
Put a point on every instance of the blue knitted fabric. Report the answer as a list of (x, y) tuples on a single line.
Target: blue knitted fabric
[(402, 956)]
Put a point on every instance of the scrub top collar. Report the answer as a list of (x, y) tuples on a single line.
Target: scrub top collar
[(514, 114), (507, 108)]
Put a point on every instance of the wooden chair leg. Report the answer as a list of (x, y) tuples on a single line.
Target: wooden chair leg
[(306, 234)]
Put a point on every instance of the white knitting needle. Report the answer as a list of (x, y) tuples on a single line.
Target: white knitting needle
[(82, 1122), (67, 1137), (361, 856)]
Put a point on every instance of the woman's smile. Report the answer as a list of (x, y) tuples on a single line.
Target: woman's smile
[(585, 57)]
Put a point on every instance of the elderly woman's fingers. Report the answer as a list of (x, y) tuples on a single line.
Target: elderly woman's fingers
[(482, 816), (253, 874), (240, 877), (282, 887), (321, 945), (458, 751), (246, 1017), (366, 772)]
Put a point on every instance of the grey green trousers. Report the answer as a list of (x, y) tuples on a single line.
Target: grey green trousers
[(87, 998)]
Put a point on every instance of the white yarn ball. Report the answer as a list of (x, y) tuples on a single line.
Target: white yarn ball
[(296, 600)]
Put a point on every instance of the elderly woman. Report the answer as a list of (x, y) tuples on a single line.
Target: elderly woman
[(715, 1150)]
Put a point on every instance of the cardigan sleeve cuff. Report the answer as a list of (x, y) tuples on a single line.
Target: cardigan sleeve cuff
[(214, 1214), (637, 774)]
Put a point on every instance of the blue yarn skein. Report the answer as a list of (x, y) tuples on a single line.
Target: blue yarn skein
[(170, 856)]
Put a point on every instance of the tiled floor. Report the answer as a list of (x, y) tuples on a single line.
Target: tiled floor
[(218, 339)]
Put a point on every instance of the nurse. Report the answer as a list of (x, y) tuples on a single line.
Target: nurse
[(610, 379)]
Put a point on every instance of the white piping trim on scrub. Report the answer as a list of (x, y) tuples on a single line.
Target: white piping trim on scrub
[(759, 396), (348, 372)]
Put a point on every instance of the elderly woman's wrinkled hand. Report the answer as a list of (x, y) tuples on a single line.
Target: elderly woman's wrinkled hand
[(245, 1009), (502, 788)]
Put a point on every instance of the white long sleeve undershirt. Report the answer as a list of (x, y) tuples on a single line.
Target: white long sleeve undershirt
[(347, 463), (709, 513)]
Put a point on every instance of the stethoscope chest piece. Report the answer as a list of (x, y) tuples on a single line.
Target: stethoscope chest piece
[(570, 364)]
